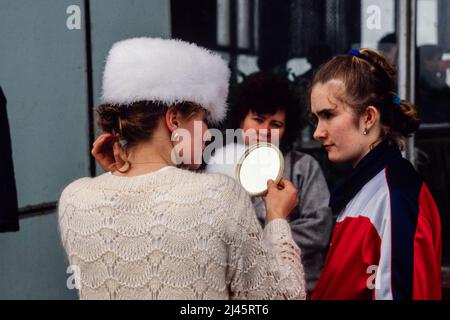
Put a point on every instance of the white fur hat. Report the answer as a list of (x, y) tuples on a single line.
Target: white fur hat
[(168, 71)]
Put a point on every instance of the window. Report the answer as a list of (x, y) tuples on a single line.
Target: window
[(433, 100)]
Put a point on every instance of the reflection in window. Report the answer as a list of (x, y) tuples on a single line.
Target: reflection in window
[(433, 41), (247, 65), (427, 31), (379, 20), (433, 99), (223, 22)]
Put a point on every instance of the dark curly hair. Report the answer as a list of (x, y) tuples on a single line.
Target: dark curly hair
[(265, 93)]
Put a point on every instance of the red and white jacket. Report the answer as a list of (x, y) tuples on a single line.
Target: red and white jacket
[(386, 243)]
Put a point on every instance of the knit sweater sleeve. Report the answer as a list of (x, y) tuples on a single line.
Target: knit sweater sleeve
[(66, 208), (264, 264)]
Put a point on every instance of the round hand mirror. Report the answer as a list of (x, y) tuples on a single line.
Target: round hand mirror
[(261, 162)]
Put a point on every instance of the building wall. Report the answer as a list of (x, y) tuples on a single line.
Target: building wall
[(43, 75)]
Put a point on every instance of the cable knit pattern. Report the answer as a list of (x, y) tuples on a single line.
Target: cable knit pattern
[(175, 234)]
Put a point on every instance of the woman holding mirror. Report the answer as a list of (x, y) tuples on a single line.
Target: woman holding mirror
[(265, 110), (386, 243), (149, 230)]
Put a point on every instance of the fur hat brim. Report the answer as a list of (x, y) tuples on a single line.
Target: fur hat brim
[(167, 71)]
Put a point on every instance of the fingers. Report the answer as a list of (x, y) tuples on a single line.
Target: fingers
[(270, 183), (280, 186), (102, 151), (290, 188), (287, 184), (100, 143), (96, 147), (102, 138)]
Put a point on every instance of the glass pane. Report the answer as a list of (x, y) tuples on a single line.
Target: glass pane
[(433, 100), (247, 64), (223, 22), (243, 13)]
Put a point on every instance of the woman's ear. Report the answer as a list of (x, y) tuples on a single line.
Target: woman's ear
[(171, 119), (371, 117)]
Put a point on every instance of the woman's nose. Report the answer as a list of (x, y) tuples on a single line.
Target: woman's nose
[(264, 130), (319, 133), (265, 127)]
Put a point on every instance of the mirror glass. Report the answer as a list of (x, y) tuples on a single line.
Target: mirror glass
[(258, 164)]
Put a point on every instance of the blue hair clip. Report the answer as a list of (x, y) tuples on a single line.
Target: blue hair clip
[(123, 143), (396, 101), (355, 53)]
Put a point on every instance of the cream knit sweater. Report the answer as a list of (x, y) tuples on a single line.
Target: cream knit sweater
[(175, 234)]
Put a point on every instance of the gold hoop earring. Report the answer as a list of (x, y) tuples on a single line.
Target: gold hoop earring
[(128, 164)]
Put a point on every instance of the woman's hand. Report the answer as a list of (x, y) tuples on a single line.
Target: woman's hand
[(280, 199), (106, 151)]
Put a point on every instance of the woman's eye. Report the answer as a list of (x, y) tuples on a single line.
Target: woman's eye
[(259, 120), (327, 115)]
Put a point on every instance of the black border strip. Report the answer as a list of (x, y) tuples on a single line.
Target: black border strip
[(90, 84), (37, 210)]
